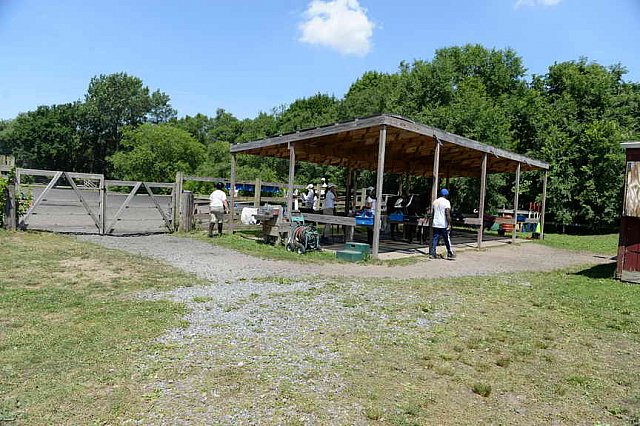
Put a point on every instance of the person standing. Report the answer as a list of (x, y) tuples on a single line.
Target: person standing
[(441, 223), (370, 204), (218, 206), (329, 208), (309, 199)]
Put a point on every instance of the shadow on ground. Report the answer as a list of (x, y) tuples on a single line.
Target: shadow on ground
[(598, 271)]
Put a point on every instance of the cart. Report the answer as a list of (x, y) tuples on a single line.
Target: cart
[(302, 238)]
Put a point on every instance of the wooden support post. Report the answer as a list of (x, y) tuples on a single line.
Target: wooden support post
[(292, 173), (483, 190), (347, 198), (11, 208), (544, 203), (382, 141), (435, 184), (186, 212), (515, 205), (177, 199), (103, 207), (232, 195), (256, 193)]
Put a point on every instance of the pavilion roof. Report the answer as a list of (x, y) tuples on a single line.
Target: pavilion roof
[(409, 149)]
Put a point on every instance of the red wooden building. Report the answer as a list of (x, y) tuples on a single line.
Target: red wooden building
[(628, 268)]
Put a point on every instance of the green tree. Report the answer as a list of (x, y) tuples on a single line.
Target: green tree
[(155, 153), (113, 102), (305, 113), (373, 93), (47, 138)]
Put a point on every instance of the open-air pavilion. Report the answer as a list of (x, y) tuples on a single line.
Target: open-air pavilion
[(393, 144)]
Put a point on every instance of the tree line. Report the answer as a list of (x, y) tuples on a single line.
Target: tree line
[(574, 117)]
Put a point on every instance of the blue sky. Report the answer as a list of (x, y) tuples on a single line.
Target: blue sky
[(248, 56)]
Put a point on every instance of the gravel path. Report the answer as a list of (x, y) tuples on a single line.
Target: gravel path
[(273, 342), (218, 264)]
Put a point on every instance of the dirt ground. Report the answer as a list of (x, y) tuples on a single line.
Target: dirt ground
[(218, 264)]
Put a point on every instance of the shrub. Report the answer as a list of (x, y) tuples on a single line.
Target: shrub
[(482, 389)]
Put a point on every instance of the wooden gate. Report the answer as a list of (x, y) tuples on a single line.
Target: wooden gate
[(166, 212), (87, 203), (91, 201)]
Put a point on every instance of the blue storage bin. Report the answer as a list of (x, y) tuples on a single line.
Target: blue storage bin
[(396, 217), (364, 218)]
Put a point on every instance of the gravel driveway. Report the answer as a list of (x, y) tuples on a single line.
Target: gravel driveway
[(218, 264), (265, 341)]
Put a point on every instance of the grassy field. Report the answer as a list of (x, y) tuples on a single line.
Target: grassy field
[(552, 348), (535, 348), (73, 341), (245, 242), (602, 244)]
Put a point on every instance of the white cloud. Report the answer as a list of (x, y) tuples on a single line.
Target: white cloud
[(342, 25), (523, 3)]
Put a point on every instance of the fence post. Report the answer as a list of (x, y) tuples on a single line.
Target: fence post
[(186, 212), (176, 202), (257, 192), (103, 206), (10, 210)]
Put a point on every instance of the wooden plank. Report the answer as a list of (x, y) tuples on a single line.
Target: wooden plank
[(472, 221), (103, 207), (122, 207), (257, 191), (36, 172), (544, 203), (483, 193), (87, 176), (186, 212), (11, 208), (630, 276), (332, 220), (232, 192), (515, 205), (96, 221), (382, 142), (177, 199), (403, 123), (292, 173), (434, 184), (167, 221), (134, 183), (331, 129), (38, 200)]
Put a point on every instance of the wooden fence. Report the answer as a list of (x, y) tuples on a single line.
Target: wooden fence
[(89, 203)]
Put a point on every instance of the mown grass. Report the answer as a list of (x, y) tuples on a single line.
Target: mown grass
[(247, 244), (554, 348), (557, 347), (73, 337), (602, 244)]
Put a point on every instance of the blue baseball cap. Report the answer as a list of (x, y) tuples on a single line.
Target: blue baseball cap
[(444, 192)]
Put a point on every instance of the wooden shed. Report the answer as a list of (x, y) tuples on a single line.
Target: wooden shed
[(628, 267)]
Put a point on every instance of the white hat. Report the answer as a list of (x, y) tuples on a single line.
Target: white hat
[(331, 185), (310, 186)]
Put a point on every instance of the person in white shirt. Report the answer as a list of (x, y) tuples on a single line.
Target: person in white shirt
[(309, 199), (329, 207), (218, 206), (370, 204), (441, 223)]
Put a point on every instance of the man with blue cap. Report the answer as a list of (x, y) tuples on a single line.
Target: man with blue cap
[(441, 223)]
